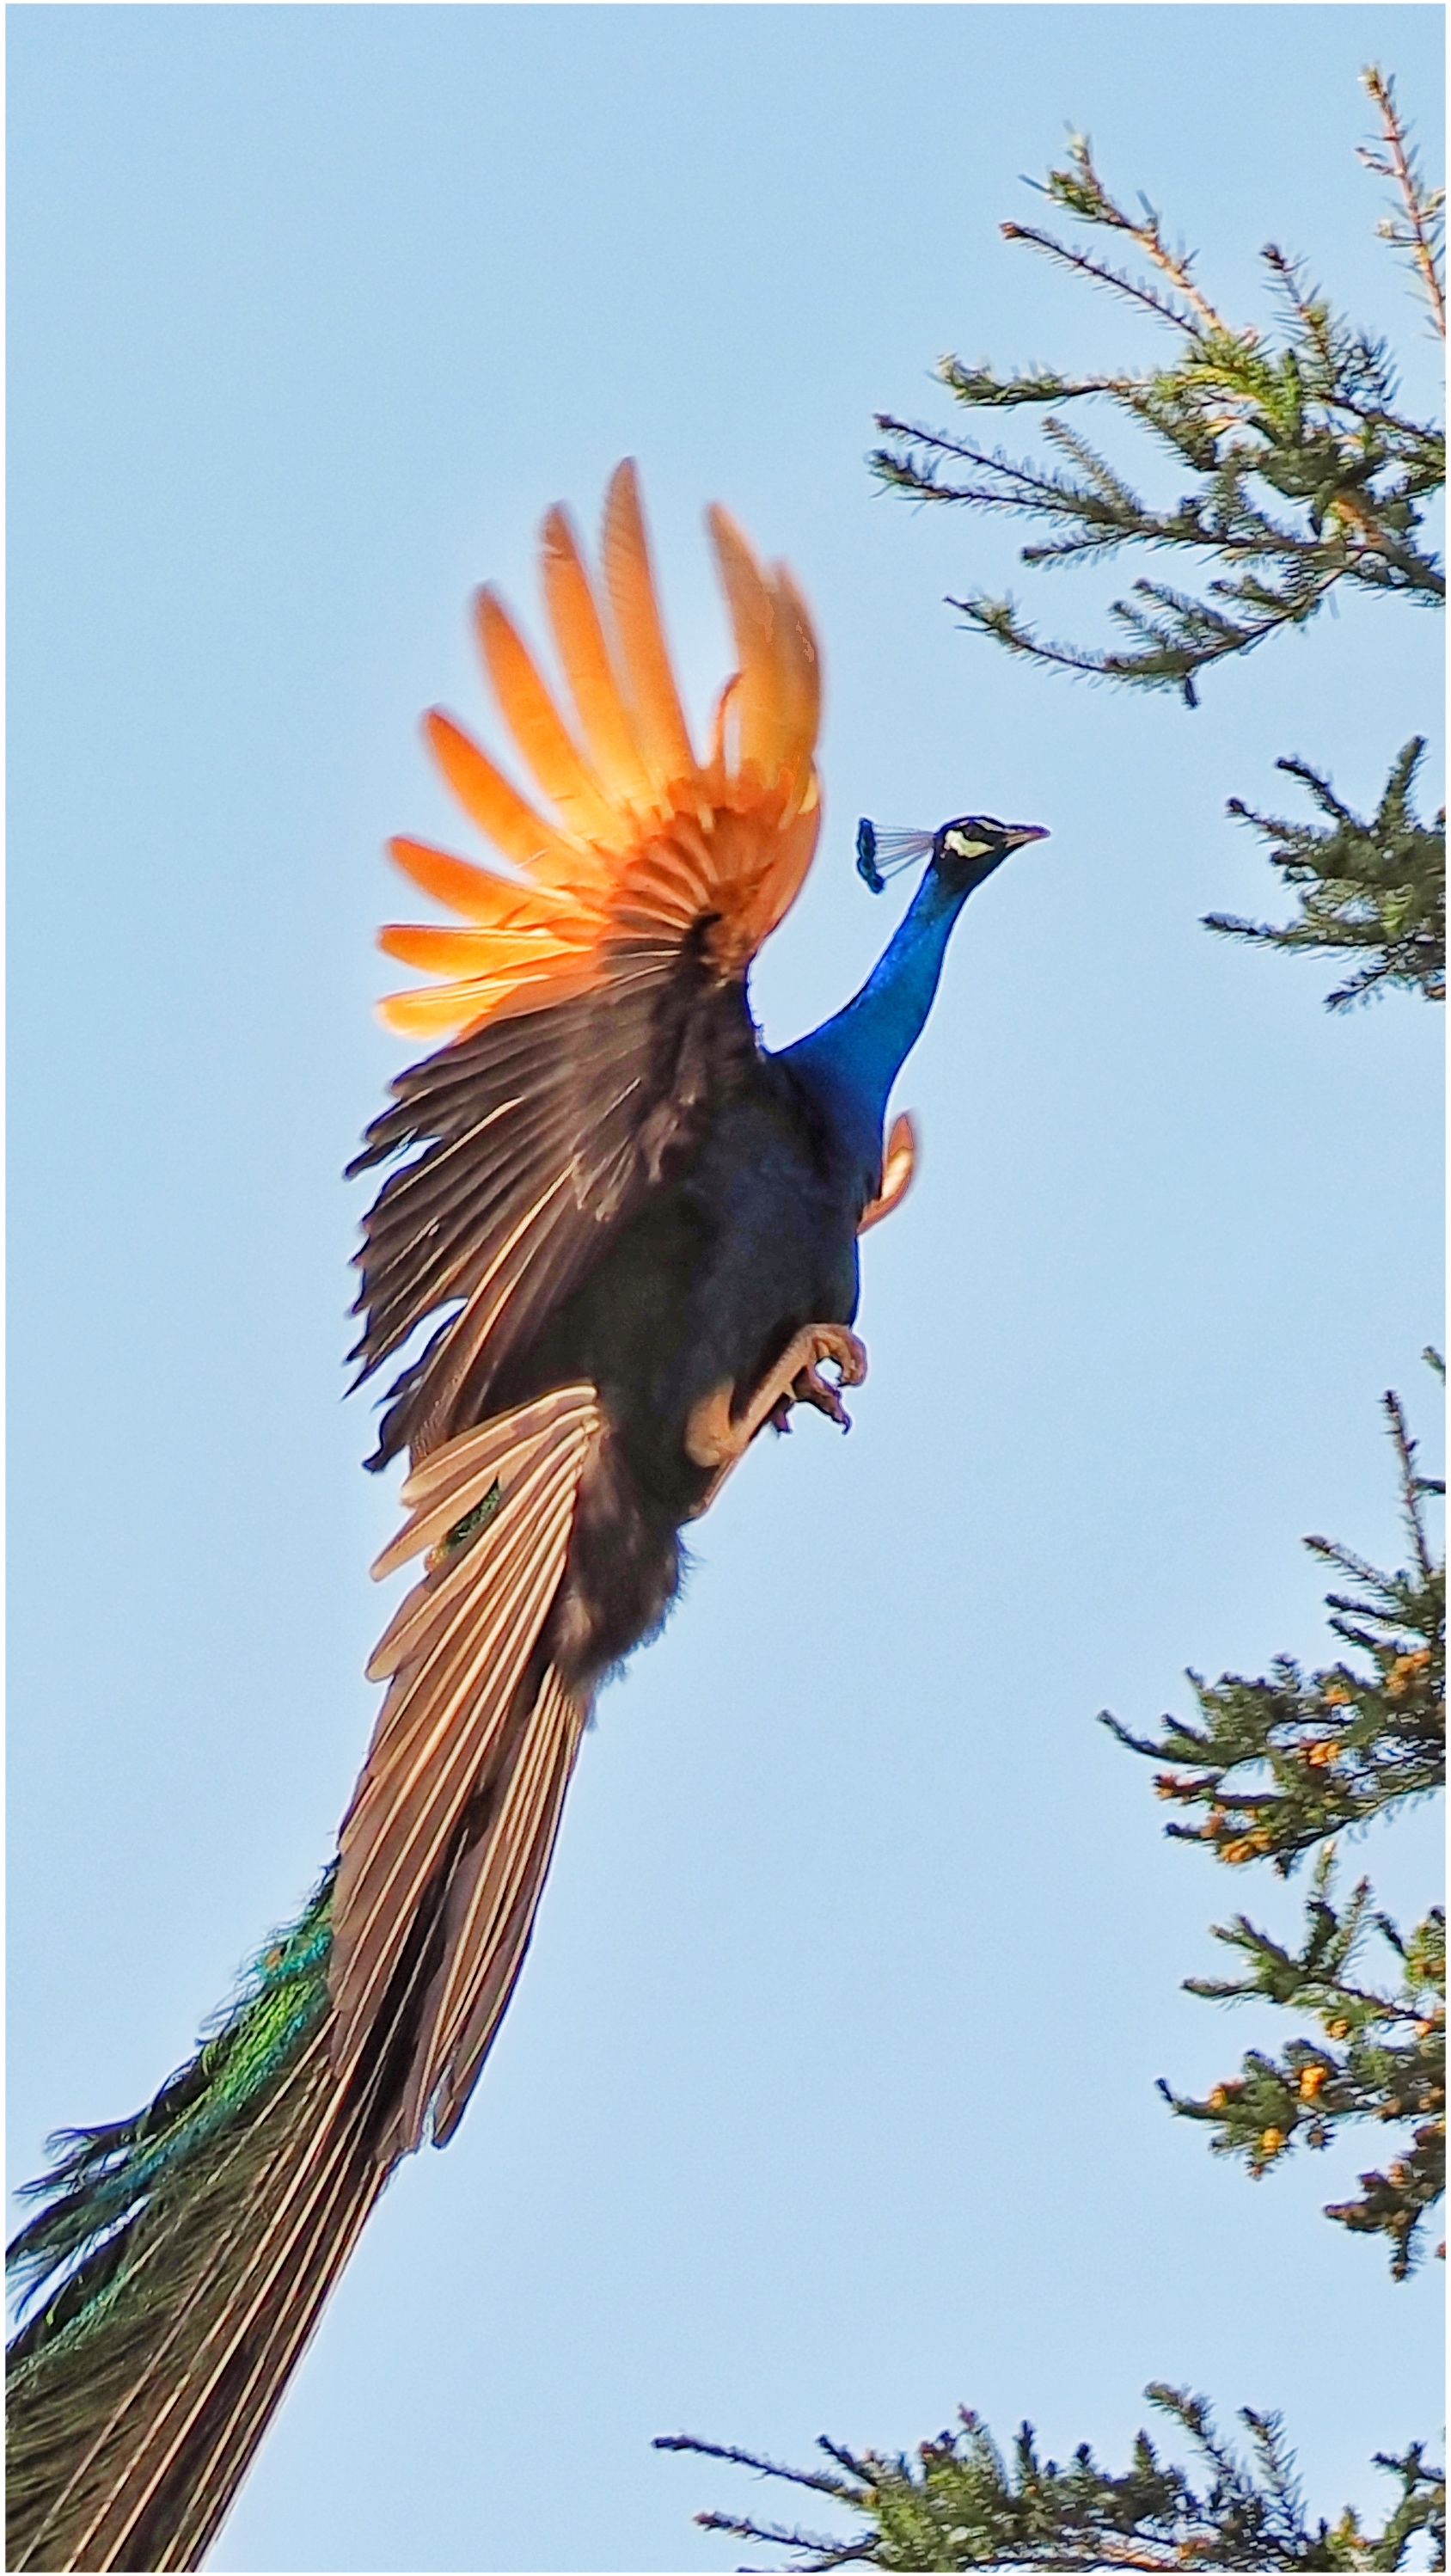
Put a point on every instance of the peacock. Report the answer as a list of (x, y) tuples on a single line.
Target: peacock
[(619, 1238)]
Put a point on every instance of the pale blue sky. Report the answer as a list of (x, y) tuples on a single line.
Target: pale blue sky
[(827, 2099)]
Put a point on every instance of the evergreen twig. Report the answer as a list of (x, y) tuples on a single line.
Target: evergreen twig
[(959, 2503), (1420, 228), (1278, 1765), (1274, 1769), (1373, 890), (1305, 472), (1383, 2057)]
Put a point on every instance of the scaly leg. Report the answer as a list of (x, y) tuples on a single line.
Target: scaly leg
[(716, 1438)]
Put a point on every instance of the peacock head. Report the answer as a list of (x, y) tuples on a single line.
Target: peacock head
[(961, 852), (973, 845)]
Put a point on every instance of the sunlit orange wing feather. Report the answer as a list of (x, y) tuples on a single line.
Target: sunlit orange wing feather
[(642, 836)]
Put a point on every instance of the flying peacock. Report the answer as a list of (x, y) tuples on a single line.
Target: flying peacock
[(633, 1234)]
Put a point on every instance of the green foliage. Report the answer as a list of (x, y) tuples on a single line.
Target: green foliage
[(1303, 473), (1373, 890), (1279, 1764), (1383, 2057), (1275, 1768), (960, 2504)]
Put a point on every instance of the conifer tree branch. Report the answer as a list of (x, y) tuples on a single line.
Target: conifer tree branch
[(1133, 290), (958, 2502), (1382, 2057), (1374, 890), (1306, 473), (1274, 1769), (1081, 192), (1421, 229), (1279, 1765)]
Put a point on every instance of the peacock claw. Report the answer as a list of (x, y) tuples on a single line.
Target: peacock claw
[(717, 1436), (828, 1342), (810, 1387)]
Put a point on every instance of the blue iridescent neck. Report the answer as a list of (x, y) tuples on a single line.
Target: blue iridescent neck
[(851, 1062)]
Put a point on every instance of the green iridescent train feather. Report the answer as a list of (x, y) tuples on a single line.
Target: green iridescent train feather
[(104, 2179), (129, 2218), (152, 2270)]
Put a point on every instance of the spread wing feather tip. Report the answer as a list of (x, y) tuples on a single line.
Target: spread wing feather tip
[(642, 836)]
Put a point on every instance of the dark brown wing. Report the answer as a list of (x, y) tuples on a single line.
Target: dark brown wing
[(605, 1004), (537, 1136)]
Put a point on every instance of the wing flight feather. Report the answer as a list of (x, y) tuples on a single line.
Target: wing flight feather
[(584, 654), (654, 699), (459, 1654), (536, 724), (488, 799), (489, 1911), (595, 1002), (474, 892), (641, 831)]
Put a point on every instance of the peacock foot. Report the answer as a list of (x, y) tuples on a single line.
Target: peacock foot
[(808, 1386), (717, 1437)]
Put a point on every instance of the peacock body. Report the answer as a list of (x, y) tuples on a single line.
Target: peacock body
[(632, 1233)]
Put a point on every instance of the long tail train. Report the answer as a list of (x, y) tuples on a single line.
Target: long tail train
[(182, 2259), (194, 2246)]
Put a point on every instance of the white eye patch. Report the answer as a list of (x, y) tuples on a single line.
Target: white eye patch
[(962, 848)]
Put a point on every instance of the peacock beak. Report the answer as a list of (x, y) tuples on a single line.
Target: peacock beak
[(1017, 833)]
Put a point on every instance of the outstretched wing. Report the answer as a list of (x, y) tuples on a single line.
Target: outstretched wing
[(600, 996)]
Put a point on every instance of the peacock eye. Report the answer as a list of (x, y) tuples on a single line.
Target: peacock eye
[(960, 847)]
